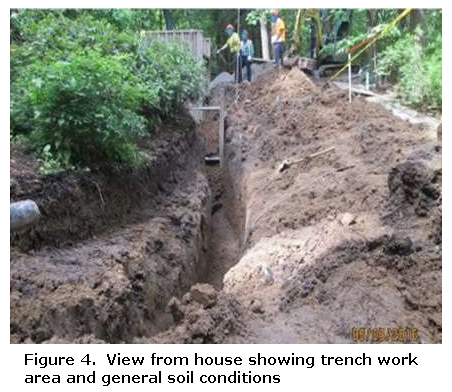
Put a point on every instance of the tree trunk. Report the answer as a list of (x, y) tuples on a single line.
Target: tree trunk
[(417, 18), (264, 38), (414, 19), (371, 18), (168, 20), (402, 23), (423, 21), (371, 23)]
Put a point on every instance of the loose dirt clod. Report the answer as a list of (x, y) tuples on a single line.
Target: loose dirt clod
[(204, 294), (256, 306), (347, 219)]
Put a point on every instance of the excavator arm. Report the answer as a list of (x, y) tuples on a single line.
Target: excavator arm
[(327, 30), (303, 15)]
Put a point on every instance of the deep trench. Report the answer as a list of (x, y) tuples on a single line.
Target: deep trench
[(148, 282), (224, 249)]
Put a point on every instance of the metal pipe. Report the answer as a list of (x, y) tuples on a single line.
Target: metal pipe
[(22, 214), (349, 78)]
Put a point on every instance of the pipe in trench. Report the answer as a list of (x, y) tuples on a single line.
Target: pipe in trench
[(22, 214)]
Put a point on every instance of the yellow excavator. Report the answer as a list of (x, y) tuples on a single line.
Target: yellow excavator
[(326, 32), (303, 15)]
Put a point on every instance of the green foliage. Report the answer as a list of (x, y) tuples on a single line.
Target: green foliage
[(83, 92), (410, 57), (85, 86), (49, 163), (53, 37), (128, 20), (84, 109), (416, 70), (20, 140), (169, 76), (253, 17), (351, 40)]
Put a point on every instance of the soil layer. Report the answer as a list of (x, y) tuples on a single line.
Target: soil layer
[(111, 248)]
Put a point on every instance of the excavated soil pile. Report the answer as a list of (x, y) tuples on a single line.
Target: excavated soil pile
[(112, 248), (347, 239)]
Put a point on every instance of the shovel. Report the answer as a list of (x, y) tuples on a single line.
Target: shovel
[(287, 163)]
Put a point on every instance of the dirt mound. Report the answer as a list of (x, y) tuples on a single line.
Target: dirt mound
[(414, 184), (22, 164), (224, 77), (306, 269), (204, 315)]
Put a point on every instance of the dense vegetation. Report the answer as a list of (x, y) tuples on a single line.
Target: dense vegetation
[(85, 85), (84, 91), (414, 63)]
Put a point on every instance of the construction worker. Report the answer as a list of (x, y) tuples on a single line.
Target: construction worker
[(278, 37), (233, 43), (247, 51)]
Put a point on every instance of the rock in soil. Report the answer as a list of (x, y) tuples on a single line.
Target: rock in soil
[(204, 294), (347, 219)]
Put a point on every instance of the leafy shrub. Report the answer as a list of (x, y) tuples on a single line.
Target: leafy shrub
[(417, 71), (52, 36), (84, 92), (85, 109), (169, 74)]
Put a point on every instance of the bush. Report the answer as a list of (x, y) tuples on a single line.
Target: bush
[(52, 36), (417, 71), (85, 109), (169, 75), (84, 92)]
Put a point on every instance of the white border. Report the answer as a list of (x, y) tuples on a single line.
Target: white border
[(431, 374)]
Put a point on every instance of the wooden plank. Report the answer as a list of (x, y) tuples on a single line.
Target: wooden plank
[(220, 129), (363, 92), (206, 108), (316, 154), (260, 60), (344, 86), (221, 138)]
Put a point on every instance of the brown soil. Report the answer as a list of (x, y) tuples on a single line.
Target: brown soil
[(111, 248), (224, 249), (350, 238)]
